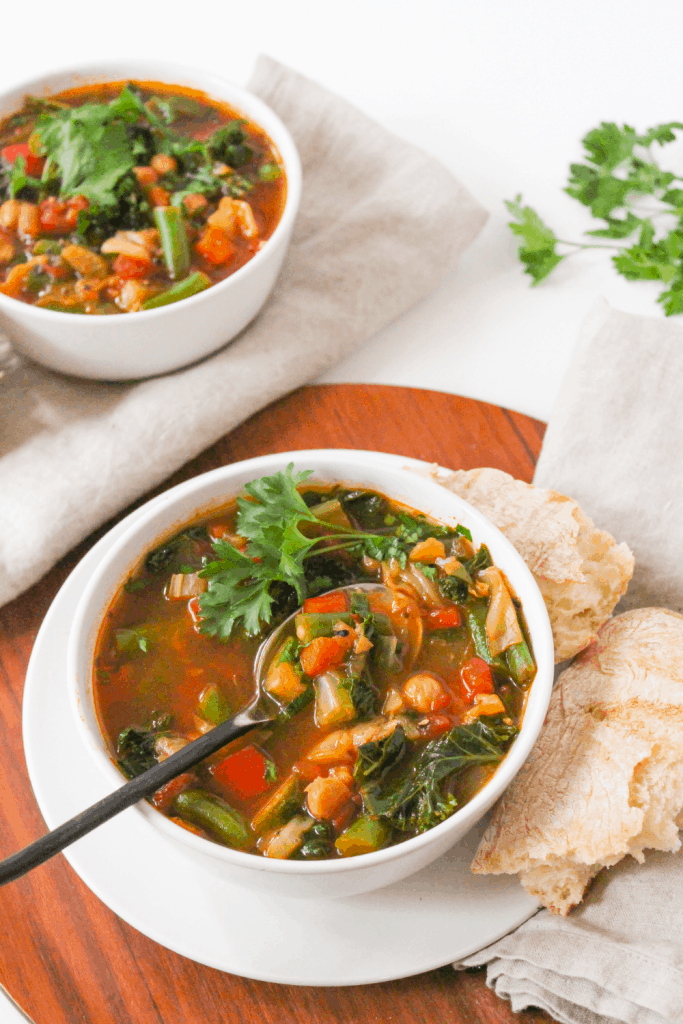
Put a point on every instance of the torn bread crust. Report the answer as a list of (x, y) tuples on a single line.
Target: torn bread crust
[(606, 776), (581, 571)]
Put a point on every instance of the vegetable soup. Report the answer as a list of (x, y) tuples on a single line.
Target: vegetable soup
[(397, 685), (128, 196)]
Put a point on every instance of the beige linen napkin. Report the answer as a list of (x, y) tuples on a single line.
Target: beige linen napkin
[(380, 224), (614, 443)]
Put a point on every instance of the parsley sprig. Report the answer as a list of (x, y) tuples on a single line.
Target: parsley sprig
[(623, 186), (271, 517)]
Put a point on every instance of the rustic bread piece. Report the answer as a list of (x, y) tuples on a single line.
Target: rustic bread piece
[(605, 778), (580, 570)]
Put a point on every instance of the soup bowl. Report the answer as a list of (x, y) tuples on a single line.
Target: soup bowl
[(150, 342), (203, 495)]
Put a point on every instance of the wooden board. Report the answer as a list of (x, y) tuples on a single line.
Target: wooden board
[(67, 958)]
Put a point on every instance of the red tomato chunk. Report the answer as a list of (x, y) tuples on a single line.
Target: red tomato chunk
[(476, 678), (443, 618)]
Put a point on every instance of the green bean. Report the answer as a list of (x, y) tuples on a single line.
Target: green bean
[(173, 238), (283, 803), (476, 621), (520, 662), (192, 285), (215, 815)]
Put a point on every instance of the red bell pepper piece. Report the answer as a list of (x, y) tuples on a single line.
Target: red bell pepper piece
[(34, 164), (244, 773), (334, 602)]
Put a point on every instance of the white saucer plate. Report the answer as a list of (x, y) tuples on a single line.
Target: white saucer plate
[(178, 898)]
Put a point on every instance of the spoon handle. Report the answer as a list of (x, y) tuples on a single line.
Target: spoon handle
[(128, 794)]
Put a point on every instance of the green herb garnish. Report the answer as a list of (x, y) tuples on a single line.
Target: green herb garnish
[(623, 186), (240, 584)]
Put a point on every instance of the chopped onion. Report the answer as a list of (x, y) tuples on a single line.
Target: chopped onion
[(502, 625)]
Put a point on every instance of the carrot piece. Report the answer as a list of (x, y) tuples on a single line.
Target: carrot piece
[(334, 602), (443, 618), (476, 678), (325, 652), (215, 247), (244, 774)]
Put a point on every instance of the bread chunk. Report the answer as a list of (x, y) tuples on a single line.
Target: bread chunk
[(605, 778), (581, 571)]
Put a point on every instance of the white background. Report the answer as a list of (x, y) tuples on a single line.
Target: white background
[(500, 90)]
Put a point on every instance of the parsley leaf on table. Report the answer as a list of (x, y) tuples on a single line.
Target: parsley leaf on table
[(537, 249), (618, 173)]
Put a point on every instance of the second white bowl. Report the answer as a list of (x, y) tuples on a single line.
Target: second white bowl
[(143, 344)]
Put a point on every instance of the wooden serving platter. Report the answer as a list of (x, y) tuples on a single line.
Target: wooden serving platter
[(65, 957)]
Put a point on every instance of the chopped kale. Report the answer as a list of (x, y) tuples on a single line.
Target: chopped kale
[(135, 749), (180, 552), (419, 799), (317, 843)]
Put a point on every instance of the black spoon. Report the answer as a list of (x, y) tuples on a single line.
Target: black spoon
[(259, 712)]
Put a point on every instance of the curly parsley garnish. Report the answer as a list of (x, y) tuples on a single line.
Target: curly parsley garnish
[(242, 584)]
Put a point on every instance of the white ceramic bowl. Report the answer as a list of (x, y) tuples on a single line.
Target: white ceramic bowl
[(201, 495), (135, 345)]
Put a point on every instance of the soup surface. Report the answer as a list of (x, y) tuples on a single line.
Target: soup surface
[(128, 196), (398, 685)]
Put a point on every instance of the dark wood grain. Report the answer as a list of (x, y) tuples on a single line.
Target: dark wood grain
[(67, 958)]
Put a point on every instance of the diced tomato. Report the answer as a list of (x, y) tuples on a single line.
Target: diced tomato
[(243, 773), (443, 618), (476, 678), (325, 652), (34, 164), (218, 530), (438, 725), (215, 246), (164, 797), (61, 217), (334, 602), (193, 608), (159, 196), (129, 267)]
